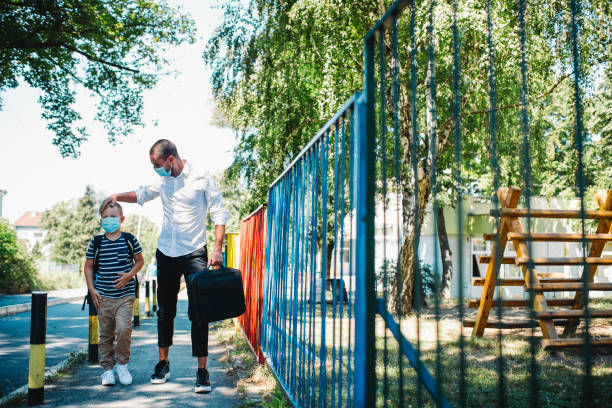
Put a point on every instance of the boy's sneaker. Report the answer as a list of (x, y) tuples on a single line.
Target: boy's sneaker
[(108, 378), (202, 384), (162, 372), (124, 375)]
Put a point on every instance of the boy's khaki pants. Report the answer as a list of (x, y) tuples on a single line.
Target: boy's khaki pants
[(115, 316)]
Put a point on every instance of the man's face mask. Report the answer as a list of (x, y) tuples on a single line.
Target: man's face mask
[(111, 224), (162, 171)]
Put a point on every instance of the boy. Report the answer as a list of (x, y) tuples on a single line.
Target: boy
[(110, 272)]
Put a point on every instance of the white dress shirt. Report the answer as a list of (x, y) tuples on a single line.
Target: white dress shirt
[(185, 198)]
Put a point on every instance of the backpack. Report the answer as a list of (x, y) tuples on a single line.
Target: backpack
[(97, 244)]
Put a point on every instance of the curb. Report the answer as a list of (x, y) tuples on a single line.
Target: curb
[(68, 362), (26, 307)]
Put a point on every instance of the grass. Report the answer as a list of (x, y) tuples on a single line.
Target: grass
[(255, 383), (558, 376), (51, 280)]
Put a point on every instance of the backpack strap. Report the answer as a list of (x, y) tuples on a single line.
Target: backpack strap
[(129, 239), (97, 243)]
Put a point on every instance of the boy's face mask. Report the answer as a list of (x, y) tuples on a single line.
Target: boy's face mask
[(162, 171), (111, 224)]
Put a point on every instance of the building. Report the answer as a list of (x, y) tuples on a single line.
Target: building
[(476, 221), (2, 194), (28, 228)]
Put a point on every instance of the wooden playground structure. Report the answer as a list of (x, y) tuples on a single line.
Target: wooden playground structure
[(511, 231)]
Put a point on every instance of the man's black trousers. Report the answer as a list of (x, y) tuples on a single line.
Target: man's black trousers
[(169, 271)]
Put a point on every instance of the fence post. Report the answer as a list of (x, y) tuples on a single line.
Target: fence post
[(38, 331), (232, 249), (94, 339), (365, 299)]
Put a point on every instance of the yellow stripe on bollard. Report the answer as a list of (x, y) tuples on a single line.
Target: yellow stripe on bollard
[(94, 338), (36, 377), (136, 312)]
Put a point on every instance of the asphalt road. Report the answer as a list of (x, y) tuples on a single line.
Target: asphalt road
[(67, 331)]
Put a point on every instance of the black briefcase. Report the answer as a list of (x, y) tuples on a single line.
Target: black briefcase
[(215, 294)]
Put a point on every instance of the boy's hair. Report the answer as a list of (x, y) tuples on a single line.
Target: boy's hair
[(164, 149), (111, 204)]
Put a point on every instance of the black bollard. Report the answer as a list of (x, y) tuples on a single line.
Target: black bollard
[(94, 338), (38, 331), (137, 305), (154, 295), (147, 296)]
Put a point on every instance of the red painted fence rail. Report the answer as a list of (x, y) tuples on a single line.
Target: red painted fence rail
[(252, 265)]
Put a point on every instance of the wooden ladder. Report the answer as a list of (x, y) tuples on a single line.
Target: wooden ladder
[(511, 230)]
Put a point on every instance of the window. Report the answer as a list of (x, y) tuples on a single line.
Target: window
[(387, 230), (480, 246)]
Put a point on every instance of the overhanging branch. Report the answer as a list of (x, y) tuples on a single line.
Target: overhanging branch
[(22, 45), (516, 105), (100, 60)]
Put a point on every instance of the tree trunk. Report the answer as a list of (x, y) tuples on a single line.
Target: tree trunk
[(419, 184), (446, 254), (330, 250), (406, 286)]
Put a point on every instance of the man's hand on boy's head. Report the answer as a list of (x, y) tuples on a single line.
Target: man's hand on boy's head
[(110, 199), (124, 279)]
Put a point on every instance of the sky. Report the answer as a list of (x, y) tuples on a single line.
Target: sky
[(36, 177)]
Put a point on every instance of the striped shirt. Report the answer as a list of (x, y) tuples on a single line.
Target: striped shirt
[(113, 259)]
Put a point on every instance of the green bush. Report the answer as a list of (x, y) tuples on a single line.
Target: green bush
[(17, 271)]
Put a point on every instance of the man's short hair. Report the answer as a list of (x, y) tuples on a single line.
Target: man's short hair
[(111, 204), (164, 149)]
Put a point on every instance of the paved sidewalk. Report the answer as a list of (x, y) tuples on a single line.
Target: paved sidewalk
[(12, 304), (82, 387)]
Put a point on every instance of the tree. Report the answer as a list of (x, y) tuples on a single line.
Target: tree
[(281, 69), (599, 155), (233, 200), (112, 48), (70, 226), (17, 271), (149, 233)]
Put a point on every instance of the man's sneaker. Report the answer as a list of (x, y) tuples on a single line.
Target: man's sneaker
[(124, 375), (108, 378), (202, 384), (162, 372)]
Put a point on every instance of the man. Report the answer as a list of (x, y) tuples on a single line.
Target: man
[(187, 194)]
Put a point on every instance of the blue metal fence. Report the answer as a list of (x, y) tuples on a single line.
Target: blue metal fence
[(308, 326), (344, 225)]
